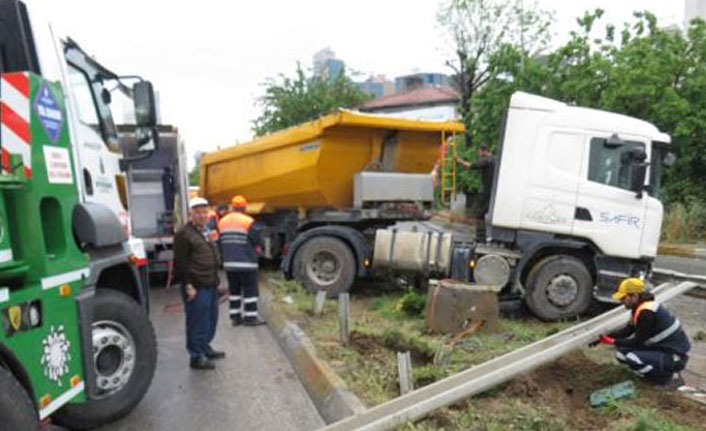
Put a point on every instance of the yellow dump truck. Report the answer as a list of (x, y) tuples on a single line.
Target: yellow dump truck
[(321, 189)]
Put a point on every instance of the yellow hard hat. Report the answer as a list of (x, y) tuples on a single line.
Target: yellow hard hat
[(239, 202), (627, 286)]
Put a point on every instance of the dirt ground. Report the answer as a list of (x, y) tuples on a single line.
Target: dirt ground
[(554, 397)]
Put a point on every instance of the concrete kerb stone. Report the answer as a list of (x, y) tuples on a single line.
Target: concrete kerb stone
[(679, 250), (329, 393)]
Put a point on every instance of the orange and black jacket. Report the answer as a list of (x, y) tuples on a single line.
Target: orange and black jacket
[(238, 240), (652, 327)]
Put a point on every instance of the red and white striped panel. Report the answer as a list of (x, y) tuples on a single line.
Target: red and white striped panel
[(15, 135)]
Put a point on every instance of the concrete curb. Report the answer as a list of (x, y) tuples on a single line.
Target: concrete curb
[(332, 398), (682, 251)]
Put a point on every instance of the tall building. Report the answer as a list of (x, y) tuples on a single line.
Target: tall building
[(327, 66), (694, 9)]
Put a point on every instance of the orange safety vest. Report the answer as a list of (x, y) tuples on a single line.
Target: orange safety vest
[(237, 251), (647, 305)]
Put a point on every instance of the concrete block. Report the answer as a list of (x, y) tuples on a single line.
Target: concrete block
[(453, 306)]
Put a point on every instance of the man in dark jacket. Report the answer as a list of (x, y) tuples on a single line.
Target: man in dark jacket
[(196, 265), (486, 165), (240, 247), (653, 344)]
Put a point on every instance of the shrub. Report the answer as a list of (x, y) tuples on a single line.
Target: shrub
[(412, 303), (685, 222)]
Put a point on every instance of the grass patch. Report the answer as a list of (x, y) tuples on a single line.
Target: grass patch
[(554, 397), (685, 222)]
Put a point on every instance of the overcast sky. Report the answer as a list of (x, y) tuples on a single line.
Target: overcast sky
[(208, 59)]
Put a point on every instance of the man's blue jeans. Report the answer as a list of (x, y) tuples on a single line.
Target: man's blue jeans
[(201, 320)]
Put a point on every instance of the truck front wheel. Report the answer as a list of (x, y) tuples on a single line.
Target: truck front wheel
[(125, 357), (16, 409), (558, 287), (325, 263)]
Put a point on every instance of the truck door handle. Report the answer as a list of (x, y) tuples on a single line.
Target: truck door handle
[(582, 213)]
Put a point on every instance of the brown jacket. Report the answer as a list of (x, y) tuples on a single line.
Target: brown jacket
[(196, 260)]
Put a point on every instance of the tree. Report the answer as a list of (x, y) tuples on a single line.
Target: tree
[(645, 71), (479, 30), (194, 176), (290, 101)]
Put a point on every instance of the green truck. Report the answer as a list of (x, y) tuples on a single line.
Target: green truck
[(76, 348)]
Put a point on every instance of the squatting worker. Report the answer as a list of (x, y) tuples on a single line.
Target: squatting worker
[(196, 265), (240, 247), (653, 344), (486, 165)]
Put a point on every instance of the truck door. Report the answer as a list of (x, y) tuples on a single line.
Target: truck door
[(97, 144), (608, 211)]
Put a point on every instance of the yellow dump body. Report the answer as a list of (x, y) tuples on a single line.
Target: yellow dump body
[(313, 164)]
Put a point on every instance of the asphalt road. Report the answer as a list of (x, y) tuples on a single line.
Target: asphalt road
[(681, 264), (253, 389)]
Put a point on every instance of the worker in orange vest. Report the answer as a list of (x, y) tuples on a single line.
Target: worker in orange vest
[(240, 248), (653, 344)]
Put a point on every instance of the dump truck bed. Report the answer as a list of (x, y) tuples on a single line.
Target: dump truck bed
[(312, 165)]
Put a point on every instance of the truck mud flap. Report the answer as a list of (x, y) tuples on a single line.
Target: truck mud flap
[(84, 303)]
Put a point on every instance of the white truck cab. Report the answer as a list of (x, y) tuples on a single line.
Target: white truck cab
[(576, 186), (574, 210)]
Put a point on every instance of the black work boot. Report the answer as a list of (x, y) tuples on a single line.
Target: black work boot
[(202, 363), (253, 321), (236, 321), (214, 354)]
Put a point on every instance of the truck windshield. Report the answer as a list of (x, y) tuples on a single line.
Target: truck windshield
[(87, 79)]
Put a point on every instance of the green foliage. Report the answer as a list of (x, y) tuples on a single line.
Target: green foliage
[(644, 418), (412, 303), (479, 29), (643, 70), (194, 176), (291, 101), (685, 222)]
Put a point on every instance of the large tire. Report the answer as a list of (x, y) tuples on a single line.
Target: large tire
[(16, 409), (558, 287), (124, 338), (325, 263)]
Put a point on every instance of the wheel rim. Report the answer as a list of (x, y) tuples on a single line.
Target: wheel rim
[(562, 290), (324, 268), (113, 356)]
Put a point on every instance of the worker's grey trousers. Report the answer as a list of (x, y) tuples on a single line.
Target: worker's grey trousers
[(654, 365)]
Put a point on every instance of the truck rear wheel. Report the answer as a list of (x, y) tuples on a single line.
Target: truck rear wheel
[(325, 263), (558, 287), (125, 355), (16, 409)]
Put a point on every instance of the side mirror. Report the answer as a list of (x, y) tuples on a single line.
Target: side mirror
[(145, 116), (638, 179), (143, 99)]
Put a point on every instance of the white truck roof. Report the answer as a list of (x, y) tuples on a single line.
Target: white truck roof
[(586, 118)]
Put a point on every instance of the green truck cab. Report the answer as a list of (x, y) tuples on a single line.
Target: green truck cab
[(77, 347)]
